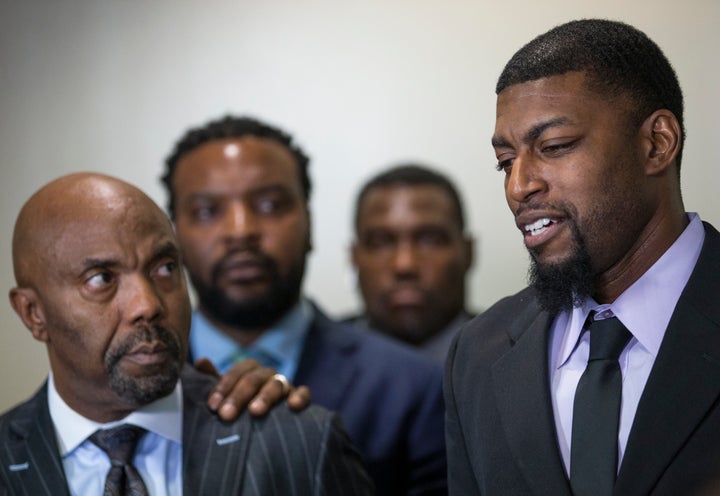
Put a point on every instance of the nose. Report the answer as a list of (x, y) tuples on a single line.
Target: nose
[(524, 180), (405, 259), (144, 302), (240, 222)]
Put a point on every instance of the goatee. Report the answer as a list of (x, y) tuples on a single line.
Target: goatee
[(565, 285)]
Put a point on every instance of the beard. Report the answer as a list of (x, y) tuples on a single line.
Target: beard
[(563, 285), (258, 311), (152, 386)]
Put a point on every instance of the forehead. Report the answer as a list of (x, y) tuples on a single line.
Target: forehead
[(131, 232), (567, 96), (404, 205), (237, 163)]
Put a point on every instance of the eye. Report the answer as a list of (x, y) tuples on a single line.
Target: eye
[(433, 238), (268, 205), (167, 269), (378, 240), (557, 148), (504, 163), (205, 212), (99, 280)]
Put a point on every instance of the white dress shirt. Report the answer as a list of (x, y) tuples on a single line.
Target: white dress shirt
[(158, 457), (645, 309)]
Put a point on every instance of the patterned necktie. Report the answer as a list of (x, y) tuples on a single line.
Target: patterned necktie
[(596, 411), (119, 444)]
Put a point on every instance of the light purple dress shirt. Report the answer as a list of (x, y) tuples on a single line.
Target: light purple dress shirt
[(645, 309)]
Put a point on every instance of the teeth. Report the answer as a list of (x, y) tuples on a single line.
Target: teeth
[(538, 226)]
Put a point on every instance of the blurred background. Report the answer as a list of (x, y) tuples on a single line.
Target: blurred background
[(110, 86)]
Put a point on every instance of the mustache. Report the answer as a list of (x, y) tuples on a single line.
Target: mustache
[(145, 334), (566, 208), (253, 255)]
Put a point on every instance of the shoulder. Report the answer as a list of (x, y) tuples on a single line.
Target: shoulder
[(518, 310), (494, 331), (370, 345), (17, 422)]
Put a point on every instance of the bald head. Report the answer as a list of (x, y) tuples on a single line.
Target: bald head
[(100, 282), (66, 204)]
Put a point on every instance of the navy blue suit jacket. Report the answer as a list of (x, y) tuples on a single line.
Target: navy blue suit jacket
[(390, 399)]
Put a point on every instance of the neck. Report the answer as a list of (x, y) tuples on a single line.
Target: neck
[(654, 241)]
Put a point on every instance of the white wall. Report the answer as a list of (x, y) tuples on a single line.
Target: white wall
[(110, 85)]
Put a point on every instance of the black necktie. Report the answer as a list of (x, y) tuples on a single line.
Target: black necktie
[(119, 444), (596, 412)]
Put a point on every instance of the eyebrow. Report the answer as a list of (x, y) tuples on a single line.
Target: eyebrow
[(165, 250), (212, 195), (533, 133)]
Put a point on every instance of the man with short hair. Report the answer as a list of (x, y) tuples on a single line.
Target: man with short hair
[(100, 281), (602, 377), (412, 255), (239, 192)]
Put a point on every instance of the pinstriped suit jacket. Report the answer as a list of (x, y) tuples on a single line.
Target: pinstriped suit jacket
[(283, 453)]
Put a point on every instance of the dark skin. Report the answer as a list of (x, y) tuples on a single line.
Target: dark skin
[(241, 192), (99, 275), (558, 141), (411, 256)]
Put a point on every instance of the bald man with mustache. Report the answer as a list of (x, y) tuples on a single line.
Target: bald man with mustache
[(100, 283)]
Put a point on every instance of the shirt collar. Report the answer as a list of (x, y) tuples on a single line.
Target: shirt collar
[(283, 341), (163, 417), (646, 307)]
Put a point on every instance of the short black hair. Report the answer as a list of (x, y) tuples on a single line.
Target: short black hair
[(618, 58), (232, 127), (412, 174)]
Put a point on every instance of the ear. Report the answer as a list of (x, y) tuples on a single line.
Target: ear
[(29, 308), (663, 136), (469, 248), (354, 249), (309, 237)]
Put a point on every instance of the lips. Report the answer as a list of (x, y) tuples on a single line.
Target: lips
[(148, 353), (406, 297), (538, 227), (242, 268)]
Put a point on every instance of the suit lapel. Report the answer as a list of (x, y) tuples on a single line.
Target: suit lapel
[(324, 365), (31, 456), (520, 379), (214, 452), (685, 380)]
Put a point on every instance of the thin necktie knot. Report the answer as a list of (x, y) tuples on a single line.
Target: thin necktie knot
[(608, 338), (119, 443)]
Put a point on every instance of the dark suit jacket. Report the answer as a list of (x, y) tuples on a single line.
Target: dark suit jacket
[(281, 454), (500, 429), (390, 399)]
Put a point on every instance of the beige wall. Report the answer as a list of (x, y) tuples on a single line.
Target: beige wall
[(108, 86)]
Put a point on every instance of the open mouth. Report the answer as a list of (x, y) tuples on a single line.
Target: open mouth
[(539, 226)]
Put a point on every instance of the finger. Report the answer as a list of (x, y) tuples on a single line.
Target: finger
[(274, 391), (247, 388), (299, 398), (206, 367), (229, 381)]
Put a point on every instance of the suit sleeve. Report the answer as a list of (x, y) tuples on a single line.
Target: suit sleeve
[(461, 481), (340, 469)]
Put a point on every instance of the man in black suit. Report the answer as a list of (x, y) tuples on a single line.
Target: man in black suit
[(589, 134), (100, 282)]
